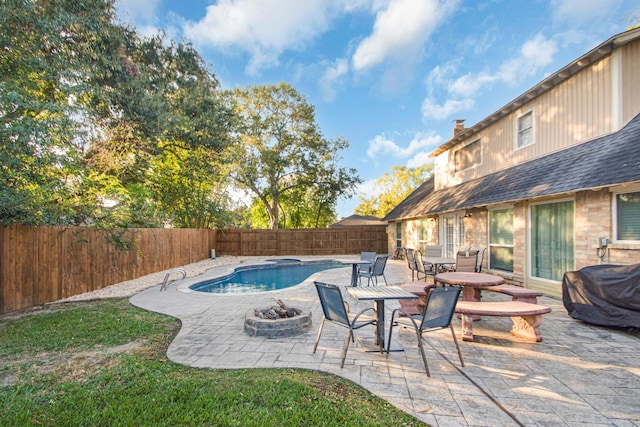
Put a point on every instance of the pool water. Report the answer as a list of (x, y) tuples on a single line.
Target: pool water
[(281, 274)]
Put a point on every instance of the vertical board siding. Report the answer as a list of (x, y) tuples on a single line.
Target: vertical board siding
[(630, 81), (44, 264), (575, 111)]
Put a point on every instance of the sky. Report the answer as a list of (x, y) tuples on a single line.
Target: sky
[(389, 76)]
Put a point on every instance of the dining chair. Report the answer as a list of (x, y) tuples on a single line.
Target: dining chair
[(437, 314), (411, 261), (466, 261), (335, 309), (481, 252), (431, 251), (366, 256), (375, 270), (421, 266)]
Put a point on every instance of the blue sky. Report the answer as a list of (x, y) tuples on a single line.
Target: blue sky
[(390, 76)]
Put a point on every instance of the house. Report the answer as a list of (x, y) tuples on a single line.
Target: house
[(355, 220), (549, 183)]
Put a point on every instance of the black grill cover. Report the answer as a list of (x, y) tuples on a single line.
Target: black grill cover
[(607, 295)]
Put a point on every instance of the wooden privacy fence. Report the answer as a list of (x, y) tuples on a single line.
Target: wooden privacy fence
[(316, 241), (44, 264)]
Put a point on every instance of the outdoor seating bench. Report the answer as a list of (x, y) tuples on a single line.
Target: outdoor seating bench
[(526, 317), (517, 293), (415, 306)]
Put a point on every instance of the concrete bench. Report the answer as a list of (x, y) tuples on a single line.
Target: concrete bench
[(526, 317), (517, 293), (415, 306)]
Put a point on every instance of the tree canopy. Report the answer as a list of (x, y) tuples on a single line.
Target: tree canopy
[(282, 158), (104, 127), (392, 189)]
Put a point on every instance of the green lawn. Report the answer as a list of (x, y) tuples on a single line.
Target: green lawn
[(104, 363)]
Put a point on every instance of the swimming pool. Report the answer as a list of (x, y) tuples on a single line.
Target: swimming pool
[(281, 274)]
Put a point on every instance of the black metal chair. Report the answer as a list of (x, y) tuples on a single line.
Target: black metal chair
[(437, 314), (335, 310)]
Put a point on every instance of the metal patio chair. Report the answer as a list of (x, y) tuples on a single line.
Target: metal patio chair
[(437, 314), (375, 270), (335, 310)]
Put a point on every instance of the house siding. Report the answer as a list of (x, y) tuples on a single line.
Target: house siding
[(630, 82), (577, 110), (602, 99)]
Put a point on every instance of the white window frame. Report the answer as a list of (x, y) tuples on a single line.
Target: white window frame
[(614, 214), (517, 132)]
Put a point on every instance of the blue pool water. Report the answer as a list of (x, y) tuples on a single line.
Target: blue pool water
[(282, 274)]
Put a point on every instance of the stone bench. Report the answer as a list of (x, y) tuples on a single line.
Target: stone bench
[(517, 293), (415, 306), (526, 317)]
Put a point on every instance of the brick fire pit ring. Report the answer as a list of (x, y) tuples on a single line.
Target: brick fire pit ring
[(276, 328)]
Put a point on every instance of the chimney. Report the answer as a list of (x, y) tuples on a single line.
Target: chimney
[(459, 127)]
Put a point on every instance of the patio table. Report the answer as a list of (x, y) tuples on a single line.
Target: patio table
[(379, 295), (355, 266), (472, 284)]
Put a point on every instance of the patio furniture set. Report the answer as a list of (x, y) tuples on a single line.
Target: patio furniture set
[(428, 306)]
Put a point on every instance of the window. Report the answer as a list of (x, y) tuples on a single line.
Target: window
[(468, 156), (627, 214), (501, 239), (424, 234), (398, 235), (552, 240), (525, 130)]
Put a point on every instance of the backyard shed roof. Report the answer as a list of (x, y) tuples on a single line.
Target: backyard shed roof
[(605, 161)]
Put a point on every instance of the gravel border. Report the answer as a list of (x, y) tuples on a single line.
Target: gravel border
[(132, 287)]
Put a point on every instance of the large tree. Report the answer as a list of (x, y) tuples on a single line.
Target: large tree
[(46, 48), (280, 154), (87, 107), (392, 189)]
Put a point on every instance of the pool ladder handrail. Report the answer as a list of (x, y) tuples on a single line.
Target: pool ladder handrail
[(166, 282)]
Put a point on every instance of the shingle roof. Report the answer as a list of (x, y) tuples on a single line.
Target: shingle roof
[(359, 220), (608, 160)]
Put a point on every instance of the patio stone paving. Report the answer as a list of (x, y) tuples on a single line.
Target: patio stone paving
[(579, 375)]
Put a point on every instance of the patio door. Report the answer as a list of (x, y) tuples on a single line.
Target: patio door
[(453, 233), (552, 240)]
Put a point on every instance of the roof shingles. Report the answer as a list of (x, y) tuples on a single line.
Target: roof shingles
[(608, 160)]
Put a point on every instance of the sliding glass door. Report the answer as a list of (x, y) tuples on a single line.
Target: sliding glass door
[(552, 244)]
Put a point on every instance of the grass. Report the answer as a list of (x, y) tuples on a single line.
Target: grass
[(104, 363)]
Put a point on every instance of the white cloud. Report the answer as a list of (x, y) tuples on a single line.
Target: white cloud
[(262, 28), (534, 55), (400, 30), (421, 142), (431, 110), (579, 12), (420, 159), (333, 77), (469, 84), (143, 11)]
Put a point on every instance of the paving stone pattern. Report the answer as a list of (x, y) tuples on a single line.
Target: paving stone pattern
[(579, 375)]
